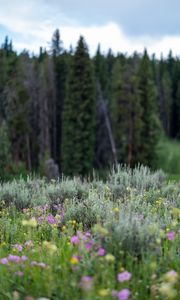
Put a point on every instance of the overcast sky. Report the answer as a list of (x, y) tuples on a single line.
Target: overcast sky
[(123, 25)]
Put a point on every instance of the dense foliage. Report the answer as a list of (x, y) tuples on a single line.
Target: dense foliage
[(69, 239), (84, 112)]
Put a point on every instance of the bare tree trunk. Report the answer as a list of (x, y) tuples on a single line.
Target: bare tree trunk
[(108, 124)]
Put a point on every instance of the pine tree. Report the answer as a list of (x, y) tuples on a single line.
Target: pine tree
[(126, 111), (148, 96), (5, 156), (56, 45), (17, 108), (61, 69), (101, 70), (79, 115)]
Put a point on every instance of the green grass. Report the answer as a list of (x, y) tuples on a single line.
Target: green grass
[(169, 158)]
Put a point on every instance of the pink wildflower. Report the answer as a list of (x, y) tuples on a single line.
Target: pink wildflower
[(124, 276), (124, 294), (75, 240), (171, 235), (101, 252), (51, 219), (89, 245), (14, 258)]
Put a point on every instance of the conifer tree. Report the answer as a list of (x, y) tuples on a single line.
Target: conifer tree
[(79, 115), (17, 109), (126, 111), (148, 96)]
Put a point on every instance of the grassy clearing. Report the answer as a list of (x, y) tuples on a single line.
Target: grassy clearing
[(117, 239), (169, 158)]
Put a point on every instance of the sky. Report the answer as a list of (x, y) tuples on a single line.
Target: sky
[(122, 25)]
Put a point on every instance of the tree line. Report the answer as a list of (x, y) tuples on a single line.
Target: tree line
[(84, 112)]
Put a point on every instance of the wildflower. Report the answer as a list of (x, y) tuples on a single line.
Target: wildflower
[(109, 257), (75, 240), (171, 235), (167, 290), (74, 260), (103, 292), (101, 252), (124, 294), (4, 261), (51, 220), (42, 265), (39, 264), (89, 245), (24, 258), (124, 276), (171, 276), (116, 209), (86, 283), (18, 247), (40, 220), (14, 258), (28, 243), (87, 234)]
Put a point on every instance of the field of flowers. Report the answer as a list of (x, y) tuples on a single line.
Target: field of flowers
[(68, 239)]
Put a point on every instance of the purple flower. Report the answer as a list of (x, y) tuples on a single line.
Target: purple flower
[(4, 261), (18, 247), (124, 276), (124, 294), (24, 258), (86, 283), (89, 245), (75, 240), (40, 220), (171, 235), (87, 234), (101, 252), (51, 219), (14, 258)]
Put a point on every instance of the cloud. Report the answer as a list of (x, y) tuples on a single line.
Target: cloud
[(31, 24), (136, 17)]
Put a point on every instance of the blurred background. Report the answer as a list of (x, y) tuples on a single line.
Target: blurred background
[(85, 86)]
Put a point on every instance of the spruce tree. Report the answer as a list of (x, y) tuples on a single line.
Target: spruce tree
[(79, 115), (126, 111), (148, 96)]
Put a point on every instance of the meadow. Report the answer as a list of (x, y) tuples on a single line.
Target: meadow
[(93, 239)]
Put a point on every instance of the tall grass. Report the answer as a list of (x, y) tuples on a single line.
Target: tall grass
[(169, 157)]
